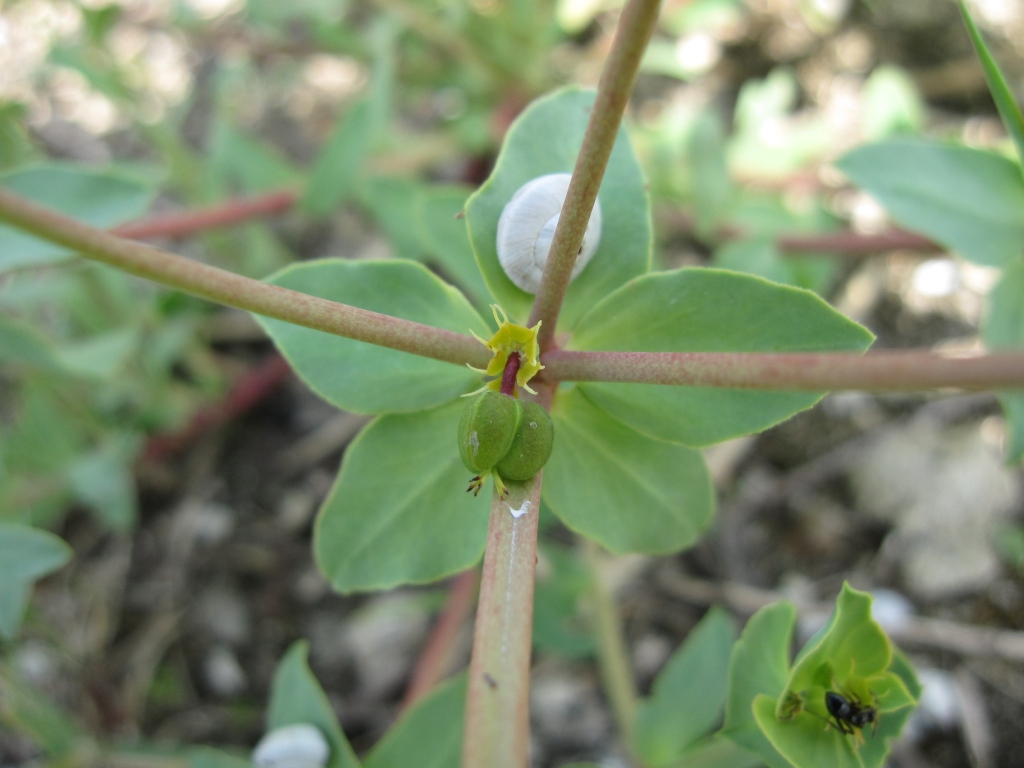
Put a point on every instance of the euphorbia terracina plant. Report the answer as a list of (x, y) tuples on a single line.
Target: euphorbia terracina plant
[(606, 357)]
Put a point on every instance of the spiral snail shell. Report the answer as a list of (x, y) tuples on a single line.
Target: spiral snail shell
[(527, 227), (292, 746)]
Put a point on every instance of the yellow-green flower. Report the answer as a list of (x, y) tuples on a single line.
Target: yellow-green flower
[(511, 338)]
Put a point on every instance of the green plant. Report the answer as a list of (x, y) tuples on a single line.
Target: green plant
[(656, 366)]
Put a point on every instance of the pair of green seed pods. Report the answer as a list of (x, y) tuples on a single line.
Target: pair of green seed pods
[(511, 438)]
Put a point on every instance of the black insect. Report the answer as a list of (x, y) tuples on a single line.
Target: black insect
[(849, 714)]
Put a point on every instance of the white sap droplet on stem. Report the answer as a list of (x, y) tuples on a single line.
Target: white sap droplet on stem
[(517, 513), (294, 746)]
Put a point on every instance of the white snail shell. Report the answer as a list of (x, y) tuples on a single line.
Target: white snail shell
[(293, 746), (527, 226)]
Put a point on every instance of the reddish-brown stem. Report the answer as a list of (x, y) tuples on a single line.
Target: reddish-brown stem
[(634, 30), (508, 376), (856, 244), (436, 658), (250, 389), (184, 223), (234, 290), (497, 703), (884, 371)]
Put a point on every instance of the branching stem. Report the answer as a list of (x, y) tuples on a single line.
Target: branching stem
[(634, 30), (237, 291)]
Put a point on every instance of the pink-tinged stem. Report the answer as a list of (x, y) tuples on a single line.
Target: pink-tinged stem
[(497, 706), (234, 290), (884, 371), (634, 30), (184, 223)]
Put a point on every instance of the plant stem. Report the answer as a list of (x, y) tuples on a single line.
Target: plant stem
[(497, 731), (237, 291), (612, 655), (889, 370), (634, 30), (189, 222), (884, 371)]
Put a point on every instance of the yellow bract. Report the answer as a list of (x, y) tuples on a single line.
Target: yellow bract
[(508, 339)]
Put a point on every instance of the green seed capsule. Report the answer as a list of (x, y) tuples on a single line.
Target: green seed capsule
[(531, 446), (487, 428)]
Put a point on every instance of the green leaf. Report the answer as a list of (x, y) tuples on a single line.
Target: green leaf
[(429, 735), (790, 144), (546, 139), (1010, 113), (754, 256), (689, 693), (394, 205), (366, 378), (1004, 329), (251, 164), (892, 104), (969, 200), (851, 656), (626, 491), (207, 757), (716, 751), (399, 511), (101, 199), (103, 481), (759, 666), (337, 168), (26, 710), (442, 223), (560, 589), (708, 310), (22, 343), (102, 356), (712, 186), (26, 555), (296, 697), (850, 645)]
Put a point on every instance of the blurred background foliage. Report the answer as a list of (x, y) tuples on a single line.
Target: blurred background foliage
[(378, 117)]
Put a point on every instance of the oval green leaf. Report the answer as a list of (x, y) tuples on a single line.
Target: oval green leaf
[(850, 644), (708, 310), (296, 697), (26, 554), (688, 695), (969, 200), (620, 488), (399, 512), (435, 721), (545, 139), (365, 378), (101, 199), (759, 666), (442, 225)]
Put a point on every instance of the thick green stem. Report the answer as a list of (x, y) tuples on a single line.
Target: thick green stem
[(885, 371), (612, 655), (497, 706), (237, 291), (634, 30)]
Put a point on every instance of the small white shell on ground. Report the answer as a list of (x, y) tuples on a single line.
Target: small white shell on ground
[(293, 746), (527, 226)]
